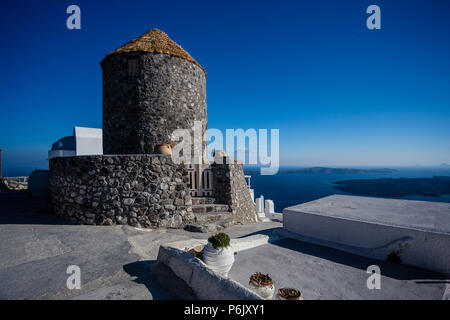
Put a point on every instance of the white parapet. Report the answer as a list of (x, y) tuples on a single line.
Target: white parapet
[(84, 141), (269, 207), (416, 231), (260, 204), (88, 141), (260, 209), (252, 194), (61, 153)]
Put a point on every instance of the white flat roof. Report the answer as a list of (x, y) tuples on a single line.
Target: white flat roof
[(422, 215)]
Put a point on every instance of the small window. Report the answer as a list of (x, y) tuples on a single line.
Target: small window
[(133, 67)]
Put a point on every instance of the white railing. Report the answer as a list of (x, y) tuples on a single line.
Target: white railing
[(200, 180), (21, 179), (252, 192)]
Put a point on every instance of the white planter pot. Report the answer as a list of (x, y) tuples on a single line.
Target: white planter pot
[(264, 291), (219, 260)]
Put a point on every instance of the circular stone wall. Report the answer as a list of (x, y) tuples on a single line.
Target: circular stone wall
[(146, 96), (147, 191)]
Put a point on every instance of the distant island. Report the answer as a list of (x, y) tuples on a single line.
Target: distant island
[(327, 170), (339, 170), (388, 187)]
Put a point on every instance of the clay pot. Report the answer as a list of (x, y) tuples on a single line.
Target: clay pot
[(219, 260), (163, 149), (196, 252), (282, 294), (265, 290)]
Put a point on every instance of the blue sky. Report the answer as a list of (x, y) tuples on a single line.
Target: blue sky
[(341, 95)]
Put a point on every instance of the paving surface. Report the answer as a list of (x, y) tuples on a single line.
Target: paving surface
[(36, 248), (325, 273), (422, 215)]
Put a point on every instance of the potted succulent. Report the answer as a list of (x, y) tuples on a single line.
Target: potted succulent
[(289, 294), (262, 284), (218, 254)]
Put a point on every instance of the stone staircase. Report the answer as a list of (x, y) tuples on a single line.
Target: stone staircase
[(209, 216)]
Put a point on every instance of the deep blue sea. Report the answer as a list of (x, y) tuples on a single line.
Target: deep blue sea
[(288, 189)]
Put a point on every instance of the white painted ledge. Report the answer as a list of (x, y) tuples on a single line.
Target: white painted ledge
[(375, 227), (205, 283)]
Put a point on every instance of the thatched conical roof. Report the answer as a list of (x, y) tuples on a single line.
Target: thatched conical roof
[(155, 41)]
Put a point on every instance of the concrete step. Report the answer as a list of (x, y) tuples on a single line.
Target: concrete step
[(202, 200), (212, 217), (210, 226), (206, 208)]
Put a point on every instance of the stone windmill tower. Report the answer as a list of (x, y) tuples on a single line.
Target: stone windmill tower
[(151, 86)]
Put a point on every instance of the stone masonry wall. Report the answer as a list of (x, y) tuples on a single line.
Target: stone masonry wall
[(139, 190), (146, 96), (230, 188)]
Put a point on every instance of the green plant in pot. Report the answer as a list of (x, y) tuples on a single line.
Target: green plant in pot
[(262, 284), (218, 254)]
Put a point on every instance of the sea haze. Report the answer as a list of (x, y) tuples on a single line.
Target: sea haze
[(293, 186)]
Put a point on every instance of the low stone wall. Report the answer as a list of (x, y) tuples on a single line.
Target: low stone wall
[(230, 188), (147, 191)]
